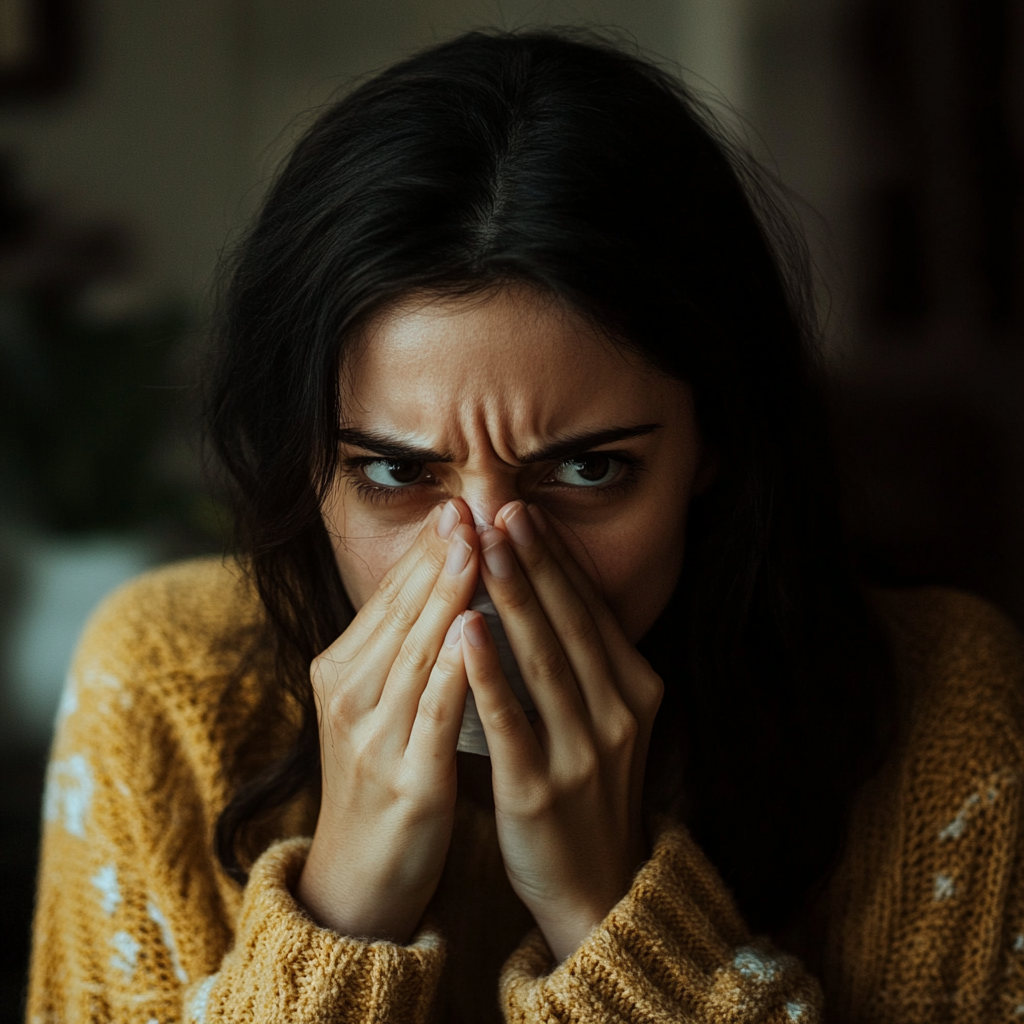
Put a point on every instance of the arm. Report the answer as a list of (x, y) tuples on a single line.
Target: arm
[(134, 920), (673, 949), (926, 910), (613, 943)]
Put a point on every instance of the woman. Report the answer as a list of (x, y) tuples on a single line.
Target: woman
[(508, 322)]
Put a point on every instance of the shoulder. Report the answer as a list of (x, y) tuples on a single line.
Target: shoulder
[(162, 650), (952, 630), (190, 618), (934, 843), (956, 650), (960, 661), (160, 695), (184, 613)]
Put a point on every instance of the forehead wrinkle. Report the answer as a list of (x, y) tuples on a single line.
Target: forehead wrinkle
[(513, 427), (500, 421), (486, 395)]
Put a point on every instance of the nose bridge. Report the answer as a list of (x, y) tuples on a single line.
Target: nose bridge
[(487, 490), (486, 480)]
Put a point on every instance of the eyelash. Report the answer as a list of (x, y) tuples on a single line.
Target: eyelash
[(375, 494)]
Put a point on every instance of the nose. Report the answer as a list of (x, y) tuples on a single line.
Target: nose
[(486, 494)]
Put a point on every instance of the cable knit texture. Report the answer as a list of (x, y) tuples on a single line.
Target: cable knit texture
[(922, 921)]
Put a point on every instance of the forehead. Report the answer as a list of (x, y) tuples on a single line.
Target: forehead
[(514, 358)]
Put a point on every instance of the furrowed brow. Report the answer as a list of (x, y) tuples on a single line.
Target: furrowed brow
[(390, 447), (576, 444), (565, 447)]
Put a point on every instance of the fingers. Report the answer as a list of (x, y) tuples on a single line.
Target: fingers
[(607, 623), (426, 555), (416, 655), (515, 745), (438, 717), (364, 653), (548, 670), (570, 622), (611, 673), (624, 699), (621, 650)]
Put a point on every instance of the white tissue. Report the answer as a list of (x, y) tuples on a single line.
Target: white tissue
[(471, 737)]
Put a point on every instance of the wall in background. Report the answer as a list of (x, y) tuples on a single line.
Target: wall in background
[(185, 108), (153, 133)]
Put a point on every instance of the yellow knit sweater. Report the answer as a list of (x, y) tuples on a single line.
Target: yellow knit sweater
[(924, 920)]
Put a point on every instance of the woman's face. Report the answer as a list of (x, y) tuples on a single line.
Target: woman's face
[(505, 396)]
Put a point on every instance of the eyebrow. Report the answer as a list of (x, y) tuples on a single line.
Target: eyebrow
[(562, 448)]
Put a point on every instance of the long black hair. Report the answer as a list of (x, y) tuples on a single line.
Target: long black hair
[(559, 160)]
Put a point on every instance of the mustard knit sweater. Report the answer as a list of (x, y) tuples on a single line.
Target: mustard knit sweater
[(923, 921)]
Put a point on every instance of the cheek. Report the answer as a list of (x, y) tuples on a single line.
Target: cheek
[(364, 550), (635, 566), (644, 579)]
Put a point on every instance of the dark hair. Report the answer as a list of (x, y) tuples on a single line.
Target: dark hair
[(561, 161)]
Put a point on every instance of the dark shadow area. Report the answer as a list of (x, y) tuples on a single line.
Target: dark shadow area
[(21, 793), (930, 496)]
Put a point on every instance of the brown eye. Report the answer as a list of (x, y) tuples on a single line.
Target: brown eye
[(393, 473), (588, 471)]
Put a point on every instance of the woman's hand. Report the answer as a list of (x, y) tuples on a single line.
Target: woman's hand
[(390, 693), (567, 789)]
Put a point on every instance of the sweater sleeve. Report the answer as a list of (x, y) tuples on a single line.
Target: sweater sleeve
[(673, 949), (926, 911), (284, 967), (134, 919), (931, 896)]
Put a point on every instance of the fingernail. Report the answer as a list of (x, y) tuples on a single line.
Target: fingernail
[(454, 634), (448, 521), (497, 554), (474, 629), (458, 554), (519, 525)]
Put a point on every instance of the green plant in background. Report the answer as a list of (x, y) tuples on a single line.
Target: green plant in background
[(84, 402)]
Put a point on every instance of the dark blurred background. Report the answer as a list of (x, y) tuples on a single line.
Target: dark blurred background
[(136, 137)]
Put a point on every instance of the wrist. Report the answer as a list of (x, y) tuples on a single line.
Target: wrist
[(566, 933), (367, 915)]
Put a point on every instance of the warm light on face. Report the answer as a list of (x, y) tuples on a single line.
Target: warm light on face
[(511, 396)]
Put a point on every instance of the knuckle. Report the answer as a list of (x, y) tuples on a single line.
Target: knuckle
[(318, 673), (537, 800), (622, 731), (401, 613), (505, 720), (576, 770), (653, 692), (581, 630), (433, 710), (413, 659), (324, 675), (340, 710), (548, 661), (447, 587), (436, 551), (389, 588), (585, 767), (517, 599)]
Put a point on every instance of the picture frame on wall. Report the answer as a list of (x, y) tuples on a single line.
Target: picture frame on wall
[(39, 47)]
